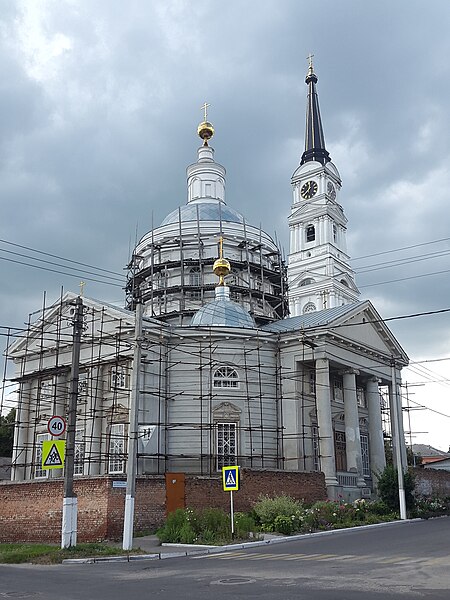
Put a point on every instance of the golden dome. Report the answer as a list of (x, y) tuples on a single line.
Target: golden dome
[(221, 268), (205, 130)]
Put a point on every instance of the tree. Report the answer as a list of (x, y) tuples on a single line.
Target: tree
[(7, 433), (387, 487)]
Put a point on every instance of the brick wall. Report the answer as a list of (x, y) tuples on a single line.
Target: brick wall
[(32, 511), (432, 482)]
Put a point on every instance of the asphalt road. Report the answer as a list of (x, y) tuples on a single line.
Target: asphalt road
[(400, 561)]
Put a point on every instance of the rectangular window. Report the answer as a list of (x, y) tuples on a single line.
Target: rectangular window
[(365, 454), (311, 378), (116, 462), (78, 464), (361, 396), (316, 448), (338, 390), (39, 472), (83, 384), (340, 450), (226, 444), (119, 378)]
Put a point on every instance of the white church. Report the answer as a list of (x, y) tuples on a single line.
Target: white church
[(243, 360)]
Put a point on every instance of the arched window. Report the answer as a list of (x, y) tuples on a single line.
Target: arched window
[(225, 377), (306, 281), (310, 233), (334, 232), (309, 307)]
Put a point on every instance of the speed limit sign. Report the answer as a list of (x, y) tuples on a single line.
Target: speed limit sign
[(56, 425)]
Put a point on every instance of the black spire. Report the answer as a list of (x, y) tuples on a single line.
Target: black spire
[(314, 139)]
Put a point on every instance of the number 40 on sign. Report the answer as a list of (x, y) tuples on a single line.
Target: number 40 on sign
[(56, 425)]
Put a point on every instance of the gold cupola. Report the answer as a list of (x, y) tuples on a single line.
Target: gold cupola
[(205, 130), (221, 266)]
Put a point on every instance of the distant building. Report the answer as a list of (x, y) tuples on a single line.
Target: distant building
[(428, 453)]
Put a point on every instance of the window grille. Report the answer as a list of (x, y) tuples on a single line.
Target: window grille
[(116, 463), (78, 463), (365, 454), (39, 472), (316, 448), (309, 308), (361, 396), (83, 384), (225, 377), (226, 445), (119, 378), (46, 390), (338, 391)]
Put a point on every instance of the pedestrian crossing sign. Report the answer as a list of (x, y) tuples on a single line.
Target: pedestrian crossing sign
[(230, 478), (53, 454)]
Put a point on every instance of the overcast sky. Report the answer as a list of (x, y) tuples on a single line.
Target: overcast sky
[(99, 104)]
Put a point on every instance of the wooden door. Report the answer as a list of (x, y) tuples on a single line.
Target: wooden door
[(175, 497)]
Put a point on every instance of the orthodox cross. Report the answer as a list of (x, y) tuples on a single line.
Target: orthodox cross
[(82, 284), (309, 58), (205, 110)]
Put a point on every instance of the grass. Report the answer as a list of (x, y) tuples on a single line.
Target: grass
[(48, 554)]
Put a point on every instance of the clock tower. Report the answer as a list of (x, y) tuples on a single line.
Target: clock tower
[(319, 273)]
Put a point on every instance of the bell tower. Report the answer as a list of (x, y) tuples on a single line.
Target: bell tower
[(319, 273)]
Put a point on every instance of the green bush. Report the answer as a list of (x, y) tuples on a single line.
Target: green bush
[(387, 487), (209, 526), (267, 509)]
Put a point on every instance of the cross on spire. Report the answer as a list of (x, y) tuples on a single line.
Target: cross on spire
[(309, 58), (205, 110)]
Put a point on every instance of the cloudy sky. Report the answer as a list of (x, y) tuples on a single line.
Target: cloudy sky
[(99, 103)]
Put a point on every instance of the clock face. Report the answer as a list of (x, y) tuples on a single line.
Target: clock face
[(331, 190), (308, 190)]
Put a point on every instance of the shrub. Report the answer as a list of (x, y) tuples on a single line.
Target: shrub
[(387, 487), (209, 526), (266, 511)]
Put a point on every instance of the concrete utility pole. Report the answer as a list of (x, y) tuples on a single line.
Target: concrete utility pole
[(133, 431), (396, 434), (69, 519)]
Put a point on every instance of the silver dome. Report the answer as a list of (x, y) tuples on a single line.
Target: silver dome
[(207, 211), (222, 312)]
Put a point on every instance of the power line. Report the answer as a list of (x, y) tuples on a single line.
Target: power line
[(403, 248), (59, 257)]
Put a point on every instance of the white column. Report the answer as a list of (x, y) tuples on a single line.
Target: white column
[(94, 424), (400, 434), (376, 440), (352, 433), (325, 424), (21, 431)]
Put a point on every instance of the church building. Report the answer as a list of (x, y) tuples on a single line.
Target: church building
[(242, 359)]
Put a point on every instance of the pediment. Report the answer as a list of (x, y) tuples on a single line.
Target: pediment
[(226, 411), (364, 327), (54, 330)]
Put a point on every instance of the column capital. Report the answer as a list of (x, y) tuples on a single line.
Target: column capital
[(349, 371)]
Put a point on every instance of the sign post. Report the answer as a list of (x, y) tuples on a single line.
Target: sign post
[(230, 480)]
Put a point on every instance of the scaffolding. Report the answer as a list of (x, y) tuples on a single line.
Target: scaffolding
[(207, 396)]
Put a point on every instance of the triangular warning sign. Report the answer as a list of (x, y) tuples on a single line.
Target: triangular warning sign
[(54, 458), (230, 479)]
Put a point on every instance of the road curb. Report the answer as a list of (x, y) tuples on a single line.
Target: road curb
[(192, 550)]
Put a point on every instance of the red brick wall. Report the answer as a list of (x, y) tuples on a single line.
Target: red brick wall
[(32, 511), (202, 492)]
